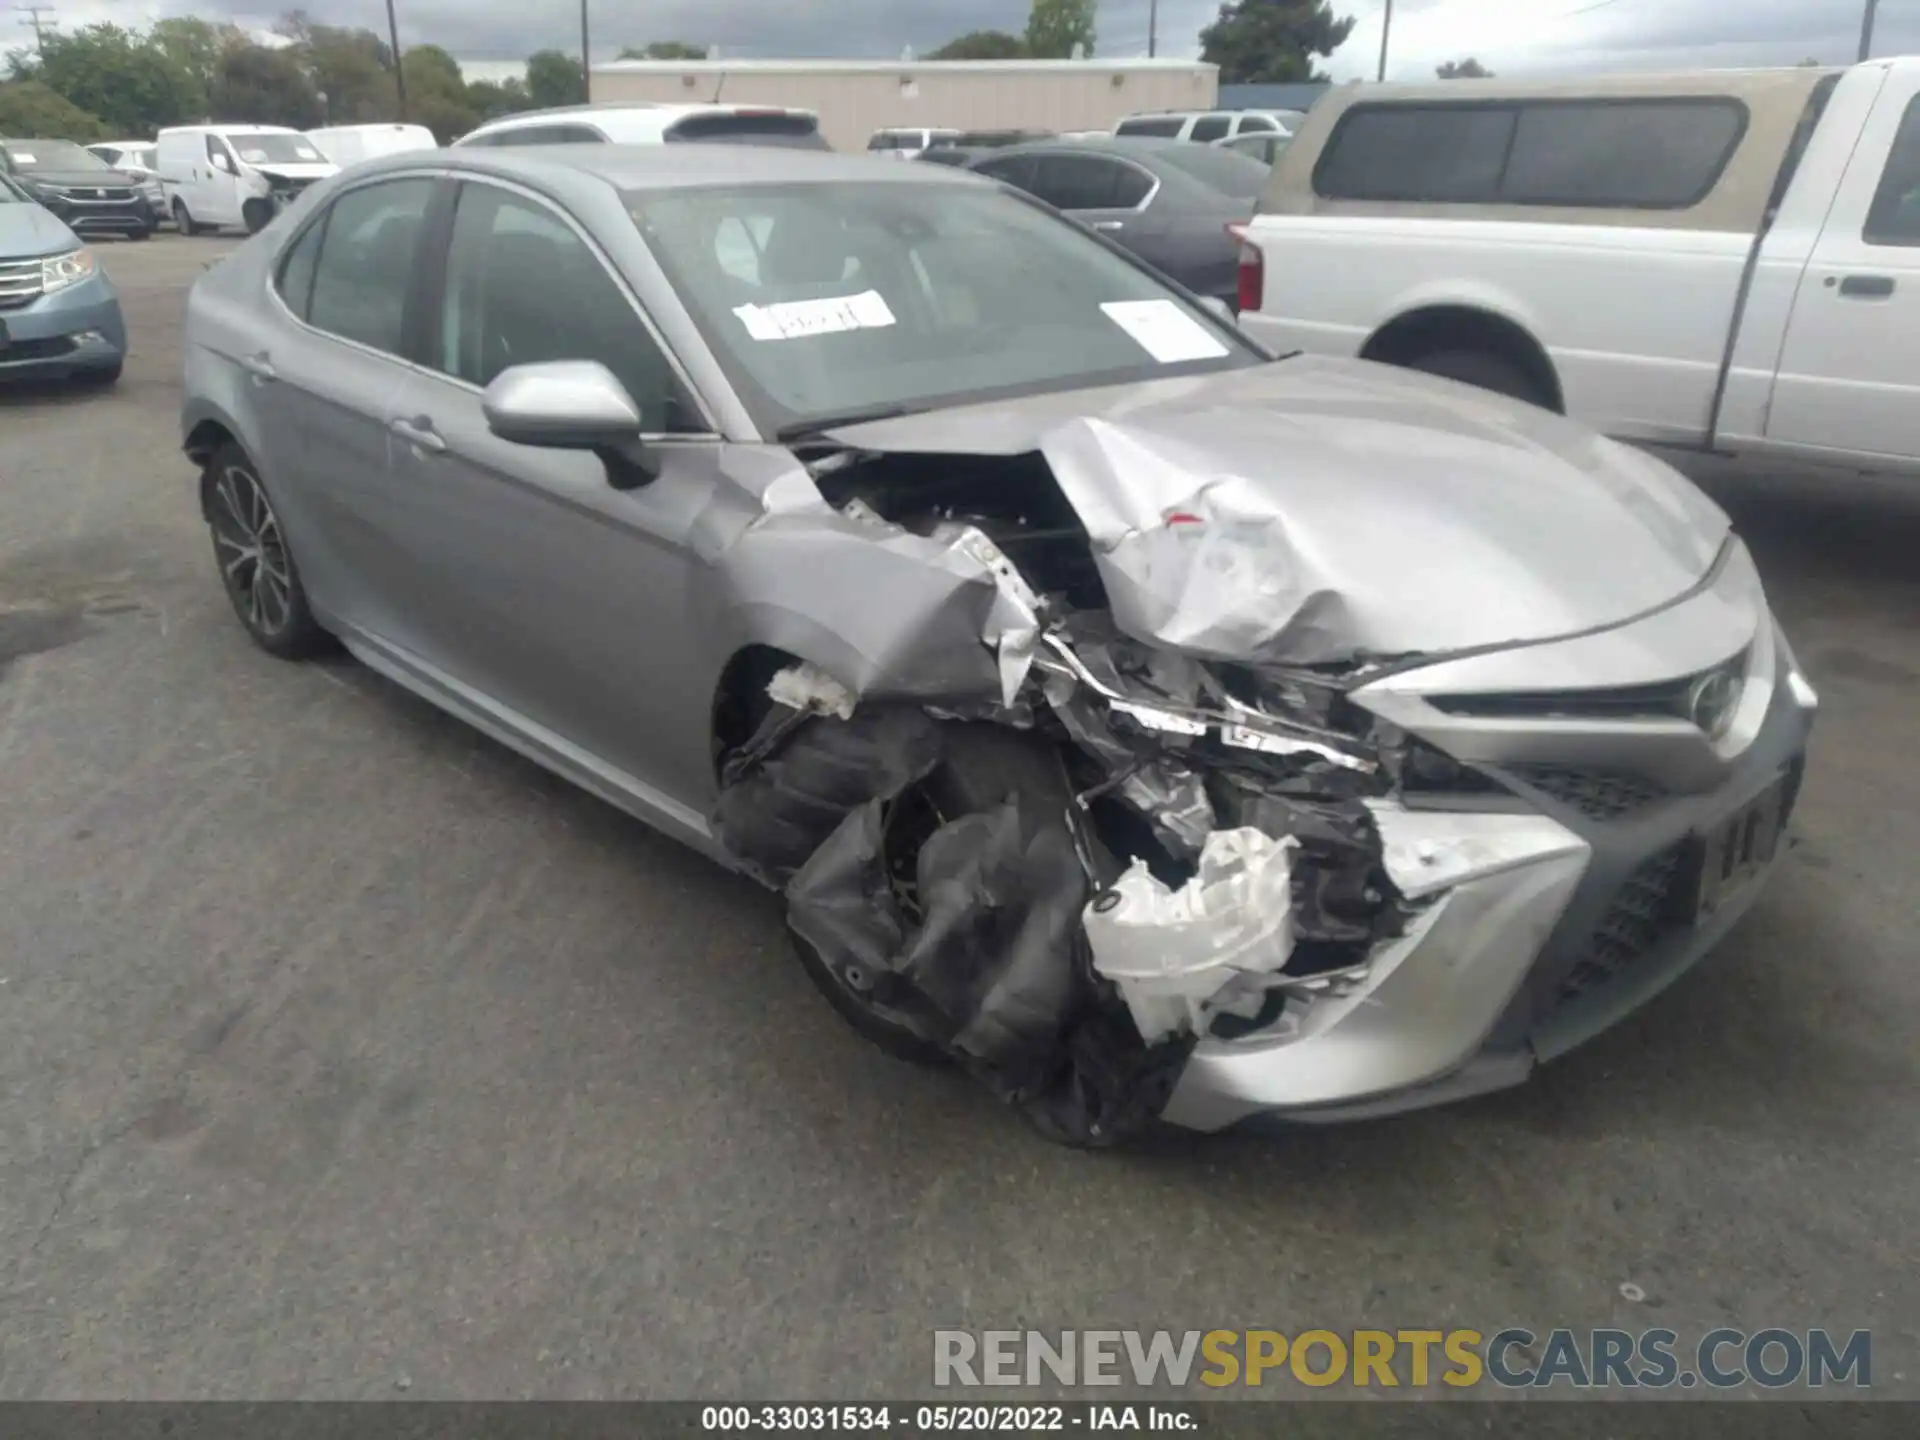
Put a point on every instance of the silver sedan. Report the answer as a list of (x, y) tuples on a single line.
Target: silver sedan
[(1150, 726)]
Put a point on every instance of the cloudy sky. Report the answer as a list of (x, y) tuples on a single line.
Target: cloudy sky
[(1511, 36)]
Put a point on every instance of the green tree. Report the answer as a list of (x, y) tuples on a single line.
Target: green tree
[(1467, 69), (31, 110), (353, 68), (490, 99), (665, 50), (431, 71), (983, 45), (195, 45), (132, 86), (445, 116), (554, 78), (1272, 41), (1054, 27), (253, 84)]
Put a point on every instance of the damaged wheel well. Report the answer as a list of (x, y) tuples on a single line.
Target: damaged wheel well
[(740, 700)]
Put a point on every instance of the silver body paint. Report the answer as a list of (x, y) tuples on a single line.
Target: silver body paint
[(1298, 512)]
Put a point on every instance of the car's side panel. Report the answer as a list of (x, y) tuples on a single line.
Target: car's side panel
[(1635, 321)]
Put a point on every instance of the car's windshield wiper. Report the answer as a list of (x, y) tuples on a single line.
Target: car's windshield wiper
[(807, 429)]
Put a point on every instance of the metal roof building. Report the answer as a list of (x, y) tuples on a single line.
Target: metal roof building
[(854, 98)]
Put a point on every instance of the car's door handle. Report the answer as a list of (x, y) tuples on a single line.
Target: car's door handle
[(259, 366), (1109, 224), (1868, 287), (419, 432)]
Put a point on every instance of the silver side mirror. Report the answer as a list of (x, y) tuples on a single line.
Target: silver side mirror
[(562, 405)]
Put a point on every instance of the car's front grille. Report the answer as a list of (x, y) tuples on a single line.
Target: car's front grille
[(99, 194), (1666, 699), (1643, 909), (1596, 794), (19, 283)]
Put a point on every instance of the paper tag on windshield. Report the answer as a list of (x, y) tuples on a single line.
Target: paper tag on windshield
[(1164, 330), (794, 318)]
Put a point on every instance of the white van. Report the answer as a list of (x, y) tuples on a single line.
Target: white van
[(1206, 126), (219, 175), (348, 145), (907, 144)]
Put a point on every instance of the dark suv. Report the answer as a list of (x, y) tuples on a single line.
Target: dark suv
[(78, 186)]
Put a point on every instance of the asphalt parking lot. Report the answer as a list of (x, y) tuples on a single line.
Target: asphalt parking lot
[(345, 1054)]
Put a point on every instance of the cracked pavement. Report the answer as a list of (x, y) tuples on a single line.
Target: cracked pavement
[(339, 1046)]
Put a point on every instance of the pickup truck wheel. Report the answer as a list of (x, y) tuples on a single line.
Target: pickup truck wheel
[(256, 214), (1483, 369)]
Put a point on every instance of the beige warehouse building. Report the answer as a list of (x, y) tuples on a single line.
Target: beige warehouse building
[(854, 98)]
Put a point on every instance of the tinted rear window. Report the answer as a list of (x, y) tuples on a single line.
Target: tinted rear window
[(798, 132), (1633, 154), (1168, 127)]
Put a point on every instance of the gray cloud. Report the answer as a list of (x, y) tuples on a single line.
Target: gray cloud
[(1514, 36)]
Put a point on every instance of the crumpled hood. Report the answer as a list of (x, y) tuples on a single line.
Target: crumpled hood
[(1316, 510), (27, 231), (313, 170)]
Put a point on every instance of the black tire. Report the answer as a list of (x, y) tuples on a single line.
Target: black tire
[(102, 377), (140, 234), (256, 215), (182, 221), (1485, 370), (267, 597), (982, 766)]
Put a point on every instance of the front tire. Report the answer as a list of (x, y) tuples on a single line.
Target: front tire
[(256, 568), (256, 215), (102, 377), (182, 221)]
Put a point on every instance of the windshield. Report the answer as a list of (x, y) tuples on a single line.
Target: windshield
[(52, 156), (826, 302), (1221, 170), (272, 149)]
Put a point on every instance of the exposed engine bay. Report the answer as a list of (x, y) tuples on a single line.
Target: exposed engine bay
[(1065, 889)]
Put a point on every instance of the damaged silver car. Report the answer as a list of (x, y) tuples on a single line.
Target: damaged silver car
[(1152, 727)]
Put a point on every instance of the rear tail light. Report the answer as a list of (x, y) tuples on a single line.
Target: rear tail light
[(1251, 286)]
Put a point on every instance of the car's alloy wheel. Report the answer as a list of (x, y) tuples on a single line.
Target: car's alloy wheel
[(256, 568)]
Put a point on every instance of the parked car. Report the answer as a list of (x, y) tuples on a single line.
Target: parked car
[(956, 156), (1727, 260), (1265, 148), (654, 125), (59, 314), (1167, 201), (346, 145), (1156, 727), (78, 186), (220, 176), (1203, 126), (139, 159), (910, 144)]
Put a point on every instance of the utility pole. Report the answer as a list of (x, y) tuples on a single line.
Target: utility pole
[(399, 72), (1153, 28), (1386, 30), (586, 56), (30, 15), (1866, 30)]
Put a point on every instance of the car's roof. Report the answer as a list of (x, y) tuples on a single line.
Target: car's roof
[(238, 127), (1138, 147), (654, 113), (677, 167)]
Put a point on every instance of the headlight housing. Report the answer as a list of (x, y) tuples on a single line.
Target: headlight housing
[(57, 272)]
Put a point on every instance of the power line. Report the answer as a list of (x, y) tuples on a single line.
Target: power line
[(30, 15)]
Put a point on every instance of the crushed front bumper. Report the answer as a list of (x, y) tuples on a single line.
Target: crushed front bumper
[(71, 331), (1538, 931)]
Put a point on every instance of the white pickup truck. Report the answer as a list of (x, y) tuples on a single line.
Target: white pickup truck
[(1727, 260)]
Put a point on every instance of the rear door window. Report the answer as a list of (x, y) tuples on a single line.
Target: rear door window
[(1166, 126), (1077, 182), (1894, 218), (365, 267), (1209, 128), (1014, 169), (1252, 123)]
